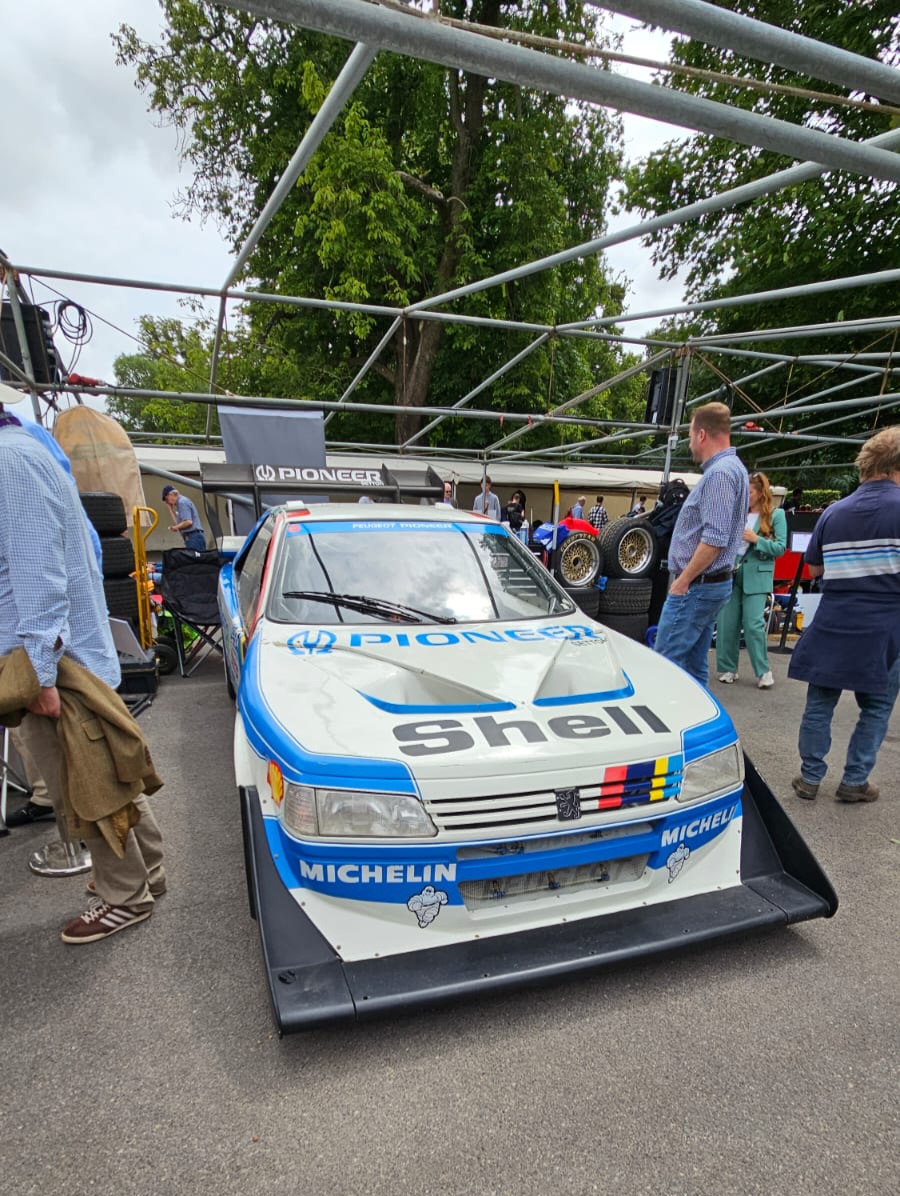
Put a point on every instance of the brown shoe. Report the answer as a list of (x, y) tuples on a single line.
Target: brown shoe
[(805, 789), (155, 890), (854, 793), (101, 920)]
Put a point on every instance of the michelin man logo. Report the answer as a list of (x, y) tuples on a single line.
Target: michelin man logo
[(677, 860), (427, 904)]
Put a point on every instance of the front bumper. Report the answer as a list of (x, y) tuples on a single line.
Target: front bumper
[(781, 883)]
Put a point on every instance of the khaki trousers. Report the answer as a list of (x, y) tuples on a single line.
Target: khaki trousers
[(22, 741), (120, 882)]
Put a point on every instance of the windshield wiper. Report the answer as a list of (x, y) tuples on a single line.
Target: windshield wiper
[(369, 606)]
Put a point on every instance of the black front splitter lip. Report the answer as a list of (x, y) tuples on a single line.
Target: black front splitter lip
[(310, 986)]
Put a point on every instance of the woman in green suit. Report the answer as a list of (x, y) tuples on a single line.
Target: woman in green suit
[(765, 538)]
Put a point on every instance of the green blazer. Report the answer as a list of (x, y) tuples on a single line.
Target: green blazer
[(758, 563)]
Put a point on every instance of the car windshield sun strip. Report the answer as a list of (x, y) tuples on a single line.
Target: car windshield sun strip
[(369, 606)]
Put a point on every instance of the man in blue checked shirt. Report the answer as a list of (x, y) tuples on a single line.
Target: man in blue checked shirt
[(854, 640), (52, 604), (705, 544)]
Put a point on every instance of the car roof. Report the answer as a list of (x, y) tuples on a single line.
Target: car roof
[(375, 512)]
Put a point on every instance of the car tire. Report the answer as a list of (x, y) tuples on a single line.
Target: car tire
[(634, 626), (625, 596), (577, 561), (118, 556), (105, 510), (585, 598), (121, 597), (630, 548)]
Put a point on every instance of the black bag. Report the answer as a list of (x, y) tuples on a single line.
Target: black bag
[(671, 498)]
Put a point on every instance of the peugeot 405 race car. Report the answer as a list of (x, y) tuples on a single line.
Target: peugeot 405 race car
[(451, 780)]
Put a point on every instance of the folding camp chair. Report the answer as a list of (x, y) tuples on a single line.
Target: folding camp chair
[(188, 588)]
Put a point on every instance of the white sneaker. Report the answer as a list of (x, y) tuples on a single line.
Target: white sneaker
[(728, 678), (766, 681)]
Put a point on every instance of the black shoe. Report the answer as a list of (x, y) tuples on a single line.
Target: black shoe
[(30, 812)]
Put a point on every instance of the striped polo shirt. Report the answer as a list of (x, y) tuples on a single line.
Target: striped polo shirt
[(857, 541)]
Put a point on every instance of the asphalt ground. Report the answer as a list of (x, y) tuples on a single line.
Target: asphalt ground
[(148, 1063)]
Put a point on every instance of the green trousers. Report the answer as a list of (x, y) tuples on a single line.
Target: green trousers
[(742, 610)]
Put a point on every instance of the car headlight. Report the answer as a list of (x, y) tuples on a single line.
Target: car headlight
[(713, 773), (346, 813)]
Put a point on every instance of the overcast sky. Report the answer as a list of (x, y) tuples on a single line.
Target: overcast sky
[(89, 180)]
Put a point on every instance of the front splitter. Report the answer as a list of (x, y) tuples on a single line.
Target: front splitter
[(311, 986)]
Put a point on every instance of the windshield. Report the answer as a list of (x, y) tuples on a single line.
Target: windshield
[(408, 572)]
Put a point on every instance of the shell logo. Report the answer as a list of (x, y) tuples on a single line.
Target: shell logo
[(276, 782)]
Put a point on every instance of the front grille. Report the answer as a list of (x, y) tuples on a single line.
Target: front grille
[(491, 851), (511, 890), (621, 786)]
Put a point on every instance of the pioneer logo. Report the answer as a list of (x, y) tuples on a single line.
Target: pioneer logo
[(316, 474)]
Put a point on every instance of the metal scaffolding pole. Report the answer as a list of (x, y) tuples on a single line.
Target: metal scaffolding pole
[(755, 39), (828, 423), (352, 72), (709, 395), (809, 288), (731, 198), (12, 288), (622, 376), (504, 369), (263, 401), (410, 33), (366, 366), (832, 328)]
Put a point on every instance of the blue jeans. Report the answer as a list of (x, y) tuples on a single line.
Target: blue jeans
[(195, 540), (686, 626), (870, 730)]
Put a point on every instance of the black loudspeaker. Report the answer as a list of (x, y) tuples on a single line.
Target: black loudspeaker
[(43, 354), (661, 396)]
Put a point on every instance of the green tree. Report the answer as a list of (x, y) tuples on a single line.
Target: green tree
[(175, 356), (835, 226), (428, 180)]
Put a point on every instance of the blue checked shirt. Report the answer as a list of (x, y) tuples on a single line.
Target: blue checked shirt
[(715, 512), (51, 590)]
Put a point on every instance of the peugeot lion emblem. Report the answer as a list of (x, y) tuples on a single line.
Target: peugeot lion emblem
[(568, 804)]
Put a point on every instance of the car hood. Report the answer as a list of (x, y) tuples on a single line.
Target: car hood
[(487, 699)]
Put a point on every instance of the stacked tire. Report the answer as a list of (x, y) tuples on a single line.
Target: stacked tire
[(631, 558), (577, 563), (107, 513)]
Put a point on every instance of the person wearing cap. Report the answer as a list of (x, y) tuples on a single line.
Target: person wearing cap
[(187, 521)]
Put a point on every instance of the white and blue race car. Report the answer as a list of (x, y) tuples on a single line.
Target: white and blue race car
[(451, 780)]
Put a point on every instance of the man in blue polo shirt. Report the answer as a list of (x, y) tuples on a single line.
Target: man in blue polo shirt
[(705, 543), (854, 641)]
